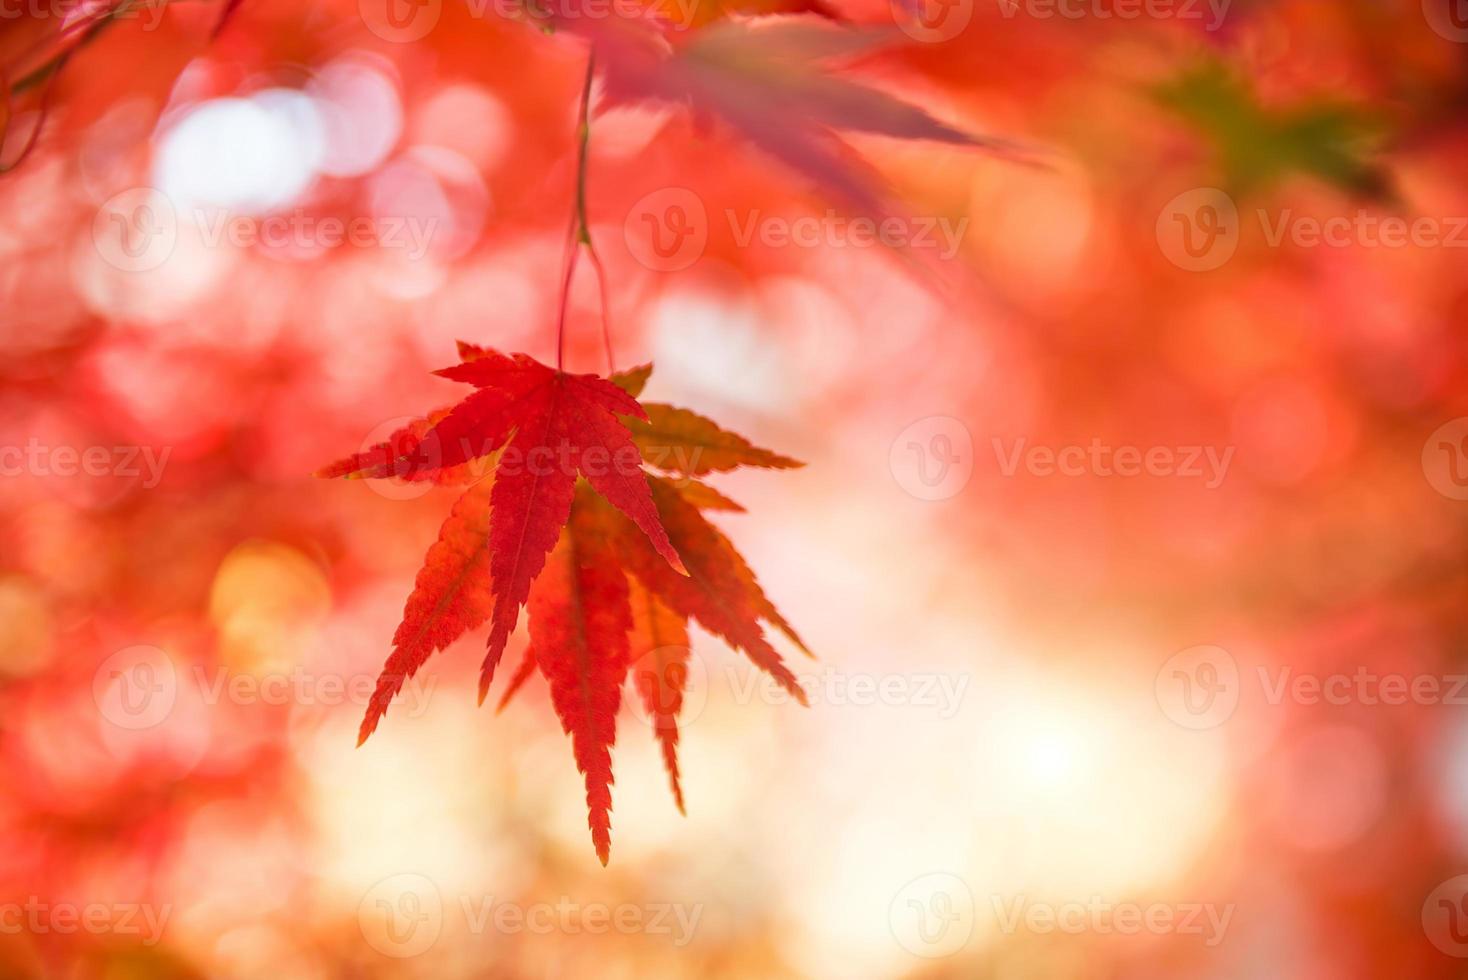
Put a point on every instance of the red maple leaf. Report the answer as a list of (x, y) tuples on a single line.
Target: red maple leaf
[(612, 562), (548, 427)]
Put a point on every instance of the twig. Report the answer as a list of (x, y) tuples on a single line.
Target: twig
[(579, 233)]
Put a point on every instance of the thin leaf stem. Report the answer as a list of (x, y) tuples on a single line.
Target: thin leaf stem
[(579, 233)]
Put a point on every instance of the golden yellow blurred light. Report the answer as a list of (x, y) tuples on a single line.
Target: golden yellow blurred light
[(1097, 791), (25, 627), (267, 600), (401, 804)]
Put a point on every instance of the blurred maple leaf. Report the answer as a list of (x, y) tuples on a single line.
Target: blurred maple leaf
[(1258, 145), (769, 80)]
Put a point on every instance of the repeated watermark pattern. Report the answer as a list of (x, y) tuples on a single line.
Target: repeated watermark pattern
[(386, 449), (1200, 687), (1099, 916), (1445, 916), (149, 12), (929, 692), (1209, 13), (1200, 230), (939, 693), (1445, 459), (36, 458), (1099, 459), (406, 21), (305, 688), (1447, 18), (937, 21), (932, 21), (668, 230), (135, 920), (137, 230), (137, 688), (404, 915), (934, 459), (934, 916)]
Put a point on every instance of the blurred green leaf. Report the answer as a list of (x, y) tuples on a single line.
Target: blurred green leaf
[(1258, 145)]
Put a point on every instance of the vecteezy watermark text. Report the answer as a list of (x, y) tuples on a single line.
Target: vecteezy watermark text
[(138, 688), (138, 230), (405, 21), (936, 693), (1201, 687), (1101, 917), (933, 916), (409, 455), (1212, 11), (303, 687), (937, 21), (403, 916), (834, 230), (298, 229), (1099, 459), (38, 459), (942, 693), (1201, 229), (39, 917), (566, 916), (668, 230), (933, 459), (150, 12)]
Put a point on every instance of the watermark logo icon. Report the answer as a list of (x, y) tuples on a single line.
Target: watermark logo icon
[(1445, 917), (1445, 459), (135, 230), (136, 688), (1447, 18), (1198, 688), (1199, 229), (400, 21), (401, 916), (932, 21), (933, 915), (933, 458), (677, 680), (421, 455), (667, 230)]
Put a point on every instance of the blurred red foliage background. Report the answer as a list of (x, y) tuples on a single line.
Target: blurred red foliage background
[(1226, 700)]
